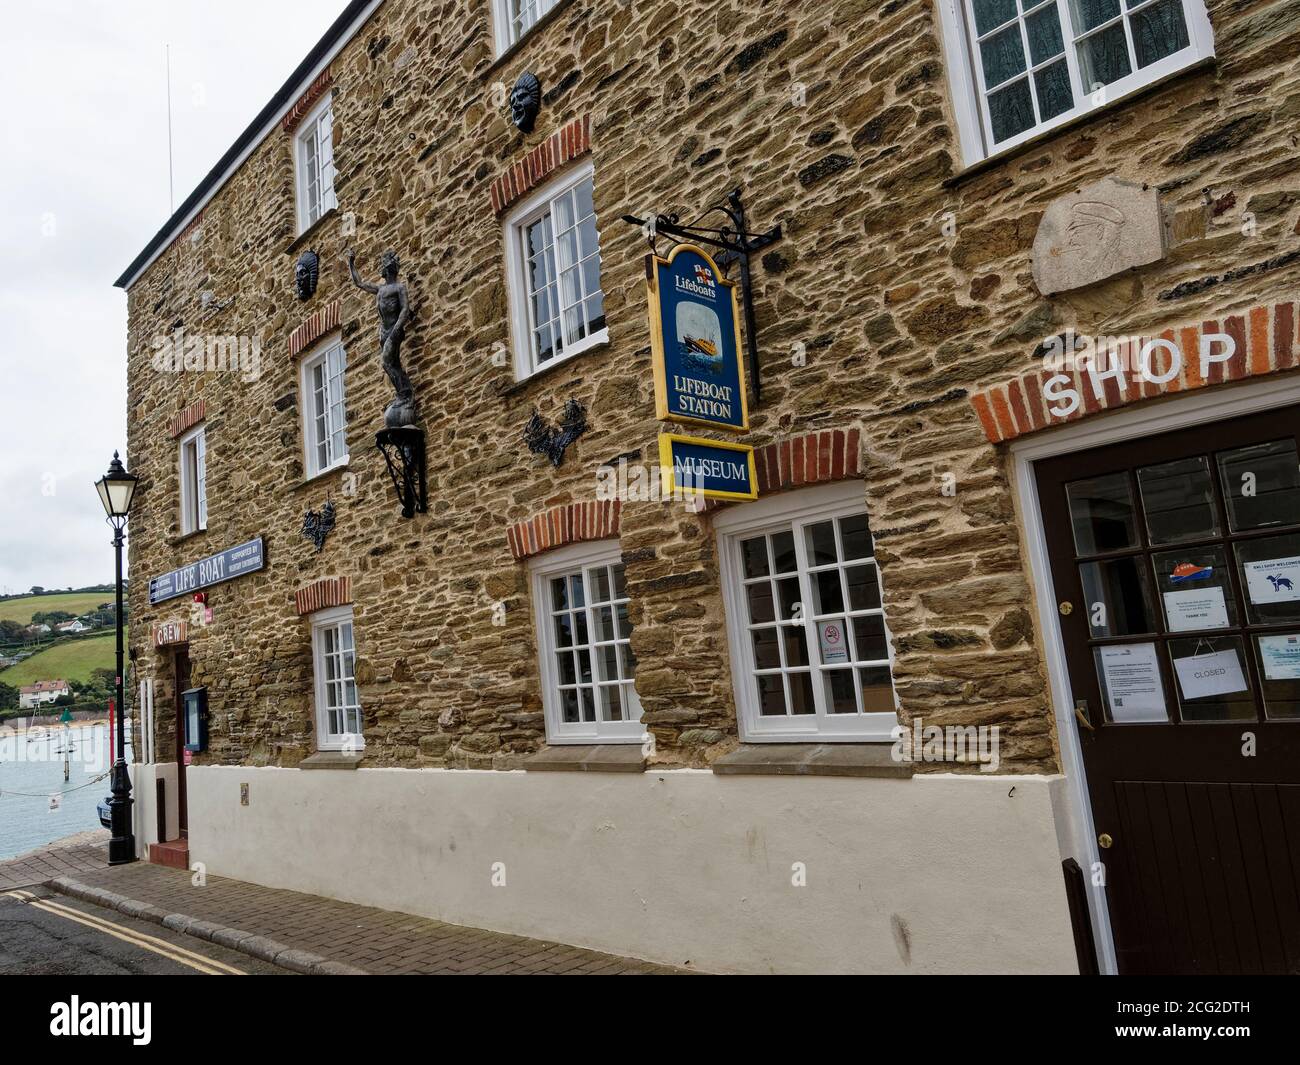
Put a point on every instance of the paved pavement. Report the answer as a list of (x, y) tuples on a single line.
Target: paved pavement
[(46, 934), (314, 934), (75, 854)]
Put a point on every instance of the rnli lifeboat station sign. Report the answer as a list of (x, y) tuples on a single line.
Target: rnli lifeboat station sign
[(695, 341), (230, 563)]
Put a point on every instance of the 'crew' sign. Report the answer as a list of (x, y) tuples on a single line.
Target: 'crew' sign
[(230, 563), (695, 341)]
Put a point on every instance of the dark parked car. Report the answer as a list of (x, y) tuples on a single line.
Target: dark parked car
[(104, 818)]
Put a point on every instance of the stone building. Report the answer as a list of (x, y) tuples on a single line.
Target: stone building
[(992, 664)]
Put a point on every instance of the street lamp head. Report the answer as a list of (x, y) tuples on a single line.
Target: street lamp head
[(116, 489)]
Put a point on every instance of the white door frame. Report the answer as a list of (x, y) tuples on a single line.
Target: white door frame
[(1216, 403)]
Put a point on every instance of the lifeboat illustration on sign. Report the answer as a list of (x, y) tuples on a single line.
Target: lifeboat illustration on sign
[(699, 338), (1186, 571)]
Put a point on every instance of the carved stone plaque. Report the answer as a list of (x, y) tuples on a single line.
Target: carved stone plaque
[(1095, 233)]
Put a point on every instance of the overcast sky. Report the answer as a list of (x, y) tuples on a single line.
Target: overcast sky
[(83, 187)]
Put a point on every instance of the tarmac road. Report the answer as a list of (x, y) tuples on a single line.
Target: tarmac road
[(46, 934)]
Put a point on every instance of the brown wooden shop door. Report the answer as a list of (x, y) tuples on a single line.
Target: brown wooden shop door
[(1176, 566), (182, 683)]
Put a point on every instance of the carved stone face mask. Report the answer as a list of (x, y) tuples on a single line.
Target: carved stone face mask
[(525, 102), (306, 274)]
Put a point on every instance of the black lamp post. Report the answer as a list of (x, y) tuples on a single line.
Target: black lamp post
[(116, 489)]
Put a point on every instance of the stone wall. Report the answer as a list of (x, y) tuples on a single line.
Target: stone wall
[(900, 288)]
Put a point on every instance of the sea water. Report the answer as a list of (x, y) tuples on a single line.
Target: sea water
[(37, 806)]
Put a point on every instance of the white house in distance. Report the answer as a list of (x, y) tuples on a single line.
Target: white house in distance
[(43, 691), (74, 626)]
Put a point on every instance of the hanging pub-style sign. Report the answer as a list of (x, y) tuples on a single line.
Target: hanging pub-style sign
[(695, 341), (709, 468)]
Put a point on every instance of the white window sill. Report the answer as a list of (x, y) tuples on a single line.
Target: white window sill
[(592, 343)]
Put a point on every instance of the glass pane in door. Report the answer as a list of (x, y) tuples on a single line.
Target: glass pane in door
[(1117, 596), (1270, 578), (1279, 671), (1102, 514), (1261, 485), (1178, 500), (1211, 679), (1195, 592)]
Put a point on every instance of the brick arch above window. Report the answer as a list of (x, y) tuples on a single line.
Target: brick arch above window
[(814, 458), (188, 418), (569, 524), (1264, 340), (319, 595)]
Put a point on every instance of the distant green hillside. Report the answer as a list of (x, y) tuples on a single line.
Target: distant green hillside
[(69, 660), (74, 603)]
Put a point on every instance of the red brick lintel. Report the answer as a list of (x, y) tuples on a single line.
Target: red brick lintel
[(1261, 341), (563, 146)]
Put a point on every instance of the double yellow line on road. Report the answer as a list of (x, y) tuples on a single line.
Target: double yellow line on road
[(205, 965)]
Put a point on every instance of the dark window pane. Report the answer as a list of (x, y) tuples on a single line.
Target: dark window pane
[(600, 593), (1103, 57), (1011, 110), (1178, 498), (771, 695), (1090, 13), (753, 555), (796, 645), (584, 666), (801, 694), (760, 602), (607, 660), (877, 690), (576, 589), (821, 543), (788, 590), (840, 698), (1055, 96), (563, 631), (559, 599), (568, 672), (783, 552), (1262, 485), (588, 705), (989, 14), (1044, 31), (1158, 31), (855, 536), (629, 660), (827, 593), (869, 642), (1003, 56), (1117, 596), (1101, 511), (767, 652), (605, 624), (569, 704), (864, 587)]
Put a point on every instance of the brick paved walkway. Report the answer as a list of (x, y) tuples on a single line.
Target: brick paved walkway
[(76, 854), (378, 941)]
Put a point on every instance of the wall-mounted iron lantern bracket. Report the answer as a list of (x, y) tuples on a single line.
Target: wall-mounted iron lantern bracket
[(735, 245), (403, 451)]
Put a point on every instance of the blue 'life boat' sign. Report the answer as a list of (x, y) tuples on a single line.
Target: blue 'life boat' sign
[(230, 563), (695, 341), (708, 468)]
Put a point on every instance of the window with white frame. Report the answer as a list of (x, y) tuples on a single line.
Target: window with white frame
[(194, 481), (583, 639), (553, 266), (810, 648), (324, 410), (514, 18), (338, 707), (1020, 67), (314, 149)]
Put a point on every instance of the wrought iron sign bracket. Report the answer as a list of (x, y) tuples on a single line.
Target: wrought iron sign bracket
[(403, 451), (735, 245)]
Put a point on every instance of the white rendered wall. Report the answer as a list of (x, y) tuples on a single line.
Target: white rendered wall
[(940, 873)]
